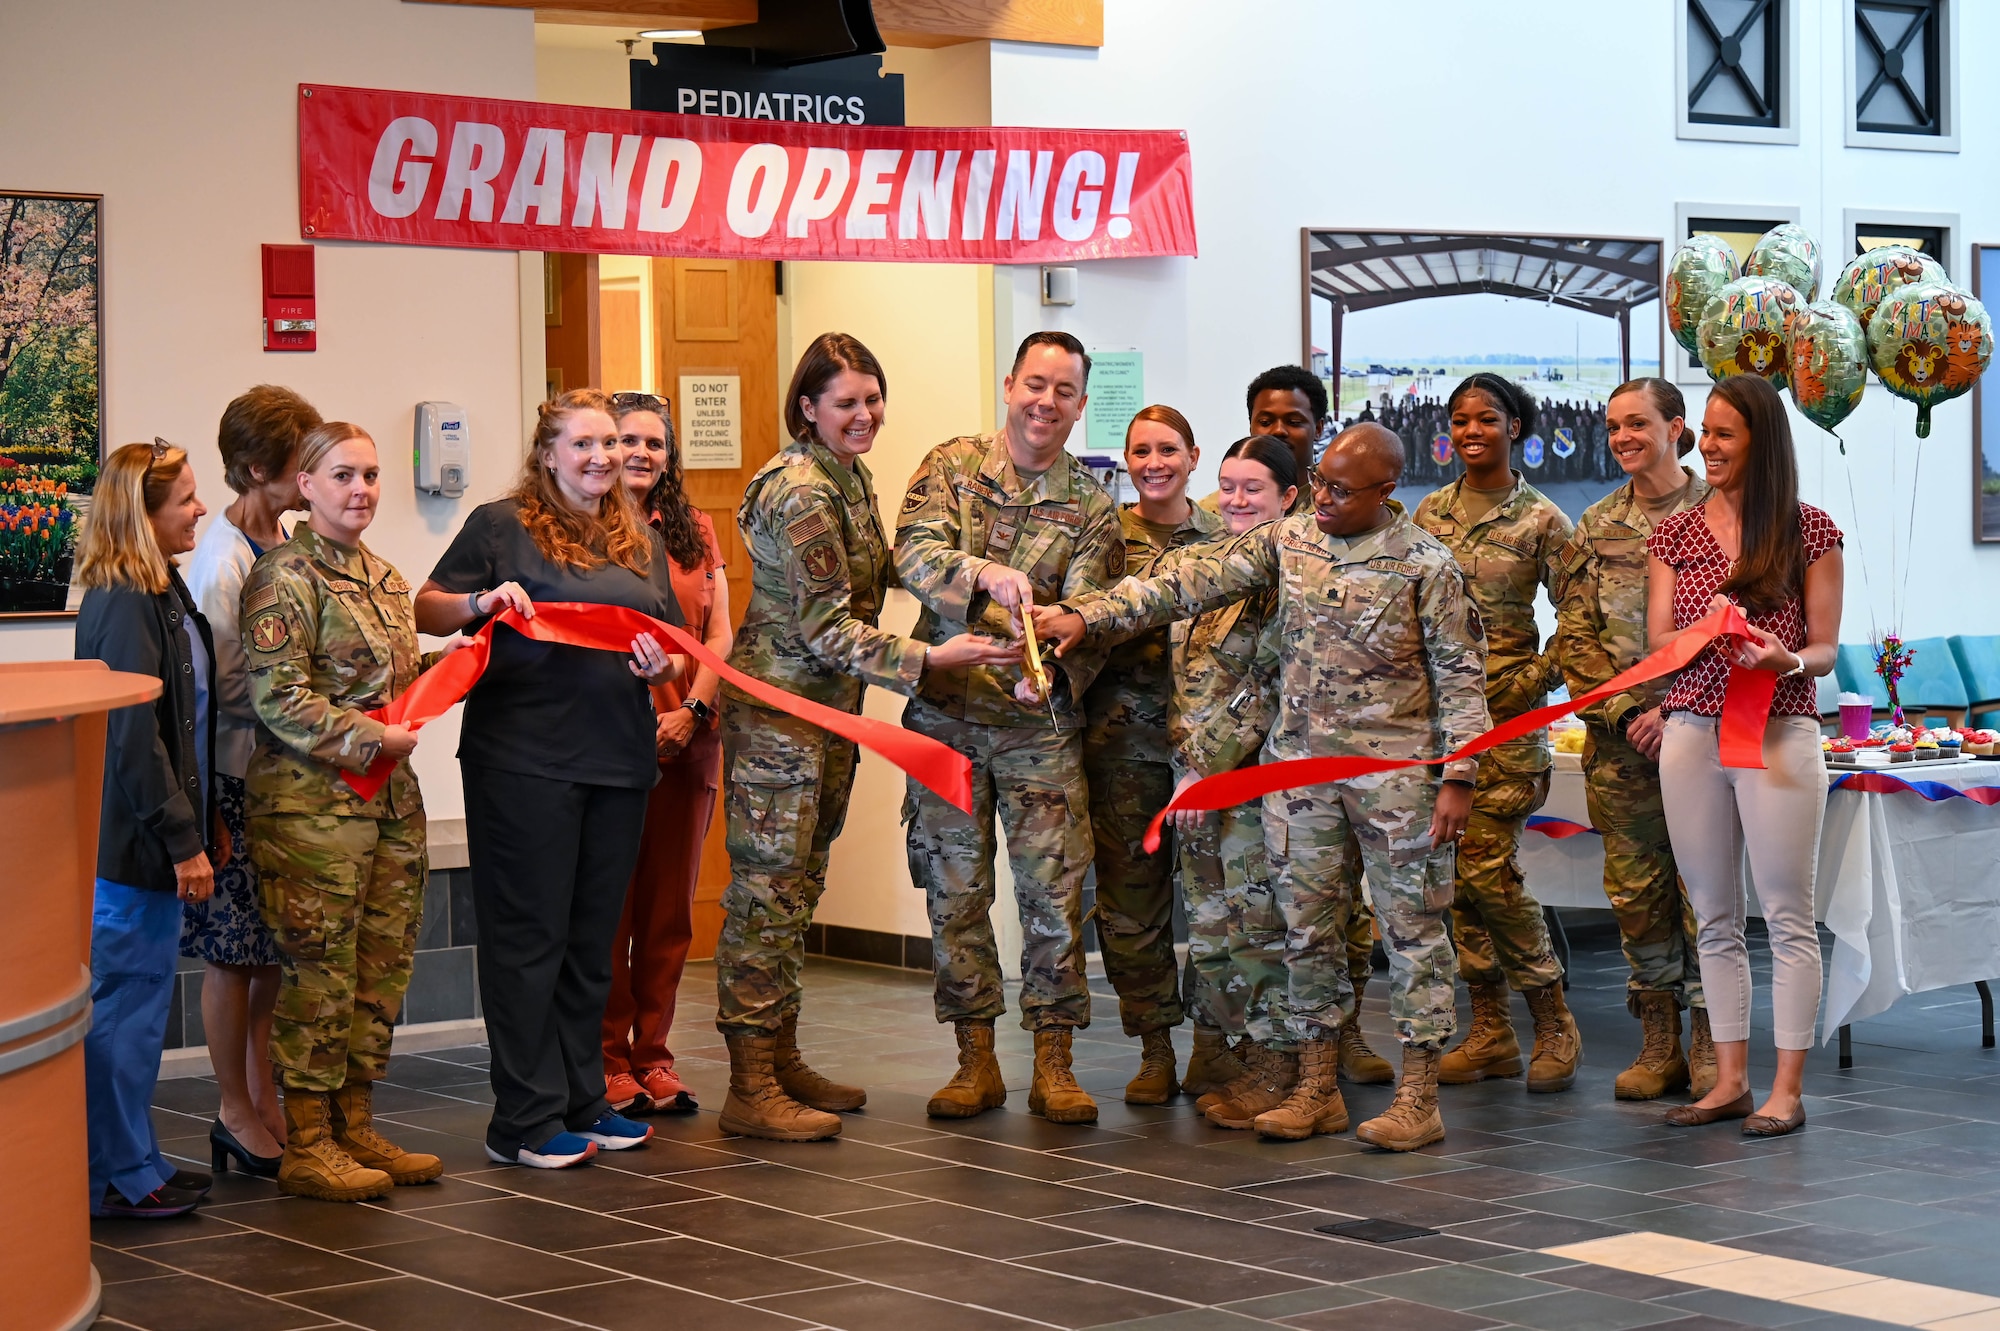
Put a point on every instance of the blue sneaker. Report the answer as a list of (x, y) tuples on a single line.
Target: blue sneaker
[(615, 1132), (558, 1152)]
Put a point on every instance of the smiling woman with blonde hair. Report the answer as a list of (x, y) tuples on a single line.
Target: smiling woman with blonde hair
[(152, 845)]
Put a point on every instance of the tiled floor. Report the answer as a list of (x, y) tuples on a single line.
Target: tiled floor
[(1886, 1206)]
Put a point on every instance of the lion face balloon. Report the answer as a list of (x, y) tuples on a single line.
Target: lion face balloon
[(1789, 254), (1872, 275), (1695, 273), (1746, 330), (1829, 362), (1929, 342)]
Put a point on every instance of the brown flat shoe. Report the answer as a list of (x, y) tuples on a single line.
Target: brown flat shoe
[(1766, 1125), (1694, 1116)]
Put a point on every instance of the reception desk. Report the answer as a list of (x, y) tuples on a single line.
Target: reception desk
[(51, 770)]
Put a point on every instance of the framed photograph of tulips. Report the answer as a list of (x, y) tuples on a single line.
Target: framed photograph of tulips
[(51, 391)]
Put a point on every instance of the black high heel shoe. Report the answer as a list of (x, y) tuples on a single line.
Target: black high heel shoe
[(222, 1145)]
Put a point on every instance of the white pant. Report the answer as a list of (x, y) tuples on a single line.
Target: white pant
[(1713, 812)]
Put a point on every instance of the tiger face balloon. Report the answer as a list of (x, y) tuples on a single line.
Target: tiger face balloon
[(1929, 343), (1746, 329), (1829, 363)]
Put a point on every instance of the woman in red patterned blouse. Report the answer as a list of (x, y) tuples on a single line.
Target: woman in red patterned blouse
[(1751, 543)]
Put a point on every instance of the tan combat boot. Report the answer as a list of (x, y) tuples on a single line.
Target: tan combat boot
[(1054, 1093), (757, 1106), (1558, 1047), (1213, 1064), (801, 1082), (1701, 1054), (352, 1119), (1659, 1067), (1358, 1063), (1314, 1106), (1277, 1073), (1155, 1084), (976, 1086), (1412, 1118), (1254, 1058), (314, 1164), (1489, 1048)]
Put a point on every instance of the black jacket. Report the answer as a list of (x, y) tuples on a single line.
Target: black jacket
[(156, 809)]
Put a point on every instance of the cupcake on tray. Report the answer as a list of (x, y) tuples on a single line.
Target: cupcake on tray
[(1902, 751), (1926, 748), (1982, 743), (1839, 751), (1950, 746)]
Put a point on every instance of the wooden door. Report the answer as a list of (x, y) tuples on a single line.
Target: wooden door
[(719, 316), (571, 336)]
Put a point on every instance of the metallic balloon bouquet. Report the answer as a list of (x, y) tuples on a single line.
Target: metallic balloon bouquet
[(1891, 309)]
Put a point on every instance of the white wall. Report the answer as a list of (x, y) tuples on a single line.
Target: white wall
[(1555, 117), (182, 117)]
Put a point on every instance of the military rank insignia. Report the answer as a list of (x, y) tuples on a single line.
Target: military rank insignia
[(270, 632)]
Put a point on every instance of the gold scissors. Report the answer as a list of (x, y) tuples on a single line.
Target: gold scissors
[(1036, 671)]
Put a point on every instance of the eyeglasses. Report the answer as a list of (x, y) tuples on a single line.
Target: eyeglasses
[(160, 448), (630, 401), (1340, 494)]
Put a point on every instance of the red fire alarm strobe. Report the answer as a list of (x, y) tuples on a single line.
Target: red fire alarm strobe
[(290, 323)]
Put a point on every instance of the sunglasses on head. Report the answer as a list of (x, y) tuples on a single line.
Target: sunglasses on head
[(629, 401), (160, 448)]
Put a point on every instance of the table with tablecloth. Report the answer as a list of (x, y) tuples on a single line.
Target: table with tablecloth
[(1908, 886)]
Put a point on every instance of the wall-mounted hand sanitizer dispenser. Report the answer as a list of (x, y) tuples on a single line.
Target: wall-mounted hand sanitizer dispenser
[(444, 449)]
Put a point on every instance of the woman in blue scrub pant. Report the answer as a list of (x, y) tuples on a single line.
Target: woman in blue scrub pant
[(152, 843)]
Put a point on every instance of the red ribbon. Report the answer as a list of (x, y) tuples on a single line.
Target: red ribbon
[(611, 628), (1746, 706)]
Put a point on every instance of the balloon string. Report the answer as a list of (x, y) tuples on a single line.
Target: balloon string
[(1909, 553), (1854, 507)]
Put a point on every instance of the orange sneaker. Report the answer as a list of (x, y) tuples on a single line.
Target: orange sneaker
[(667, 1091), (623, 1091)]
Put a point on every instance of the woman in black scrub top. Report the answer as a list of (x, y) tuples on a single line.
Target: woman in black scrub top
[(557, 756)]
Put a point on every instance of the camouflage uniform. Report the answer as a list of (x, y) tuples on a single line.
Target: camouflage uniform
[(1360, 930), (820, 565), (1602, 618), (1373, 651), (1496, 922), (968, 507), (1125, 764), (330, 634), (1236, 975)]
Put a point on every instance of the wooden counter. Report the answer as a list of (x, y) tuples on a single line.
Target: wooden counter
[(51, 774)]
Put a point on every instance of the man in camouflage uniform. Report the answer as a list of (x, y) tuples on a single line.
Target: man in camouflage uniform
[(1289, 402), (1374, 650), (1506, 551), (992, 524), (1602, 619), (330, 634), (1125, 763)]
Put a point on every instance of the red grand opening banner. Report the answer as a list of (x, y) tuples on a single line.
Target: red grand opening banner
[(412, 168)]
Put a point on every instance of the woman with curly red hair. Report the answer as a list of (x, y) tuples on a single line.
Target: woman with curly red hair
[(557, 754)]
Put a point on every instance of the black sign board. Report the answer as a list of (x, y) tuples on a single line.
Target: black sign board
[(721, 81)]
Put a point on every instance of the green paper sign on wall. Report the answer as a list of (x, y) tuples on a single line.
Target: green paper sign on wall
[(1117, 391)]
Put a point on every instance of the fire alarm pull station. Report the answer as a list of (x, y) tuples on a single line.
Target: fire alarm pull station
[(444, 449), (290, 321)]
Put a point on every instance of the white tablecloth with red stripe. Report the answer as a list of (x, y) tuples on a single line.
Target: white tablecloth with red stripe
[(1909, 887)]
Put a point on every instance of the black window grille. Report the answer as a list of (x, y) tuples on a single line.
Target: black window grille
[(1898, 66), (1733, 62)]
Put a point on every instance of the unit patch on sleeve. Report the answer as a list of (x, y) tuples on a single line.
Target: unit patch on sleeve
[(270, 632), (821, 560)]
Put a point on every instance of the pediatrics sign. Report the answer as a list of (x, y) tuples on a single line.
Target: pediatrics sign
[(417, 169)]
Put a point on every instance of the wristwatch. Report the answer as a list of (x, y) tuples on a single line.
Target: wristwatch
[(702, 711)]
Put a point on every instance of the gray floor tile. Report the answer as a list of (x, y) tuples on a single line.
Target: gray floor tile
[(1579, 1310)]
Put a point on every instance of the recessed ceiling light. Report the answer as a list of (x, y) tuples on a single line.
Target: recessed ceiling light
[(669, 34)]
